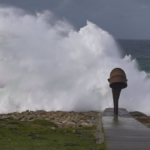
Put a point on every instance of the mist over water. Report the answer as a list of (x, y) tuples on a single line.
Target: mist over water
[(46, 64)]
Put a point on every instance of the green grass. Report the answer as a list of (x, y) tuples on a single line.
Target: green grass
[(39, 135)]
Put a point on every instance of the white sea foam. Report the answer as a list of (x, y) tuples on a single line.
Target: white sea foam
[(46, 64)]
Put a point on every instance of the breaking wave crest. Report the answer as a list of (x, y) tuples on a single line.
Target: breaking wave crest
[(46, 64)]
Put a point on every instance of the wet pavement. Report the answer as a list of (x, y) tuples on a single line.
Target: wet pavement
[(124, 132)]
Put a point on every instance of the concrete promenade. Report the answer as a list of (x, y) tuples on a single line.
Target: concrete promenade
[(124, 132)]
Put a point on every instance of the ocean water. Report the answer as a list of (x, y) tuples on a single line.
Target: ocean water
[(139, 50)]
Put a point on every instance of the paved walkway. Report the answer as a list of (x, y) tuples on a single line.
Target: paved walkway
[(124, 132)]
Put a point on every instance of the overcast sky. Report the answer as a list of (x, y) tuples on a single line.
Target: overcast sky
[(124, 19)]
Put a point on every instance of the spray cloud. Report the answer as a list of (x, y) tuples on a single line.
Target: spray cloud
[(46, 64)]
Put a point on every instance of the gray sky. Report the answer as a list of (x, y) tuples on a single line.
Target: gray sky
[(124, 19)]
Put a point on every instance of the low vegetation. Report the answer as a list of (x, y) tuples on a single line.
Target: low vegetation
[(44, 135)]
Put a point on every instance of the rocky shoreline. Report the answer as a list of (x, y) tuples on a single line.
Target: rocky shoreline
[(67, 119), (60, 118)]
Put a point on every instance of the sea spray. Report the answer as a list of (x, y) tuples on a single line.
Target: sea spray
[(46, 64)]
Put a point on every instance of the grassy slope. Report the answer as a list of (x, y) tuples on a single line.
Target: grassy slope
[(38, 135)]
